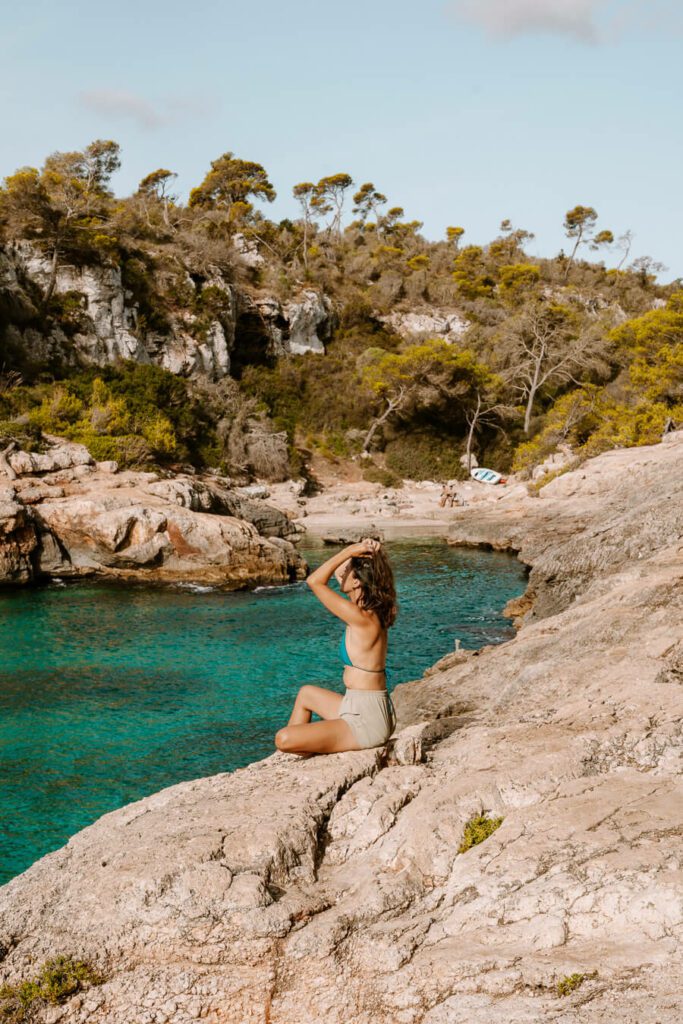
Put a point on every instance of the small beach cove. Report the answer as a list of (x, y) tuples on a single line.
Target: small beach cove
[(110, 693)]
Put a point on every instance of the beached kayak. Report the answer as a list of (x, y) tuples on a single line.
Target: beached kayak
[(487, 476)]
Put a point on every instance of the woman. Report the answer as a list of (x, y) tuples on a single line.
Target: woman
[(364, 716)]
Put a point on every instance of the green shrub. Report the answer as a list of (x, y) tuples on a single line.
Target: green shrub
[(624, 426), (425, 456), (376, 475), (58, 980), (593, 421), (28, 437), (137, 274), (571, 982), (69, 310), (477, 830), (211, 304), (57, 412), (130, 450)]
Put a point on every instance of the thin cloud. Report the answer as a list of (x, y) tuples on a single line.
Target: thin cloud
[(115, 103), (586, 21), (120, 104)]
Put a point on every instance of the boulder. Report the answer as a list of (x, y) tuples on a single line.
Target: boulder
[(62, 455), (113, 532)]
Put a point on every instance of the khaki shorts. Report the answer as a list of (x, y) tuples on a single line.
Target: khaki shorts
[(370, 716)]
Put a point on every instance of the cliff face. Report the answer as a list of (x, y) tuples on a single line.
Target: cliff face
[(111, 325), (332, 889)]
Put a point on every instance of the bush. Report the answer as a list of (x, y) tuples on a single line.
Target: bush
[(425, 456), (377, 475), (58, 980), (567, 985), (28, 437), (592, 421), (130, 450), (477, 830), (69, 310)]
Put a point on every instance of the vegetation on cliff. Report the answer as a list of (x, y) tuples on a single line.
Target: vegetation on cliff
[(551, 350)]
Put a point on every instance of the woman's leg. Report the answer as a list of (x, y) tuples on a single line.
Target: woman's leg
[(314, 700), (316, 738)]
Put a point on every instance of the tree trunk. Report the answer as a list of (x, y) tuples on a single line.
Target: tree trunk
[(470, 436), (533, 388), (306, 244), (571, 258), (4, 461), (529, 409), (376, 424)]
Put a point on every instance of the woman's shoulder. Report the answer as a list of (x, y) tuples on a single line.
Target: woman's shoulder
[(370, 620)]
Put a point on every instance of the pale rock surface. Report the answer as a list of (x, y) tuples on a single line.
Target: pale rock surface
[(248, 250), (66, 516), (428, 323), (113, 322), (332, 890), (112, 315), (309, 323), (62, 455), (301, 325)]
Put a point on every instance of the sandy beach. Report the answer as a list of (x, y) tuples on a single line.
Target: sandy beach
[(346, 509)]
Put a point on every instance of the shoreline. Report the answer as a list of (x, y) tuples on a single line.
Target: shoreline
[(496, 631), (336, 887)]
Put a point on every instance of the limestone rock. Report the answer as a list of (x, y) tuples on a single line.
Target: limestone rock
[(213, 496), (308, 319), (111, 327), (332, 889), (428, 323), (61, 455), (112, 322), (18, 539), (248, 250), (86, 520), (114, 532), (301, 325)]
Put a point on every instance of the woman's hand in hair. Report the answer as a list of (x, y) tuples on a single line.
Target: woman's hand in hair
[(365, 549)]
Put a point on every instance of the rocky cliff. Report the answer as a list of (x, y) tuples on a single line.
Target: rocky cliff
[(107, 321), (64, 515), (333, 889)]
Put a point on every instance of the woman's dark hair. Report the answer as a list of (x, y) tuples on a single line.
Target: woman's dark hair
[(376, 578)]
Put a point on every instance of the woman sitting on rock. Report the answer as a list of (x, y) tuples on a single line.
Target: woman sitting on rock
[(364, 716)]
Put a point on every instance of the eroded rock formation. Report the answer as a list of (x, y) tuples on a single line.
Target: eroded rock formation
[(65, 515), (111, 324), (332, 889)]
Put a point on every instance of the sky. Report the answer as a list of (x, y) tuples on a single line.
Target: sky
[(464, 112)]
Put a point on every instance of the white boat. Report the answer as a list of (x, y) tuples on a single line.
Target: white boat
[(486, 476)]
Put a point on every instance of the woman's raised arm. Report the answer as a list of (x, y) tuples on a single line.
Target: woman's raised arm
[(319, 580)]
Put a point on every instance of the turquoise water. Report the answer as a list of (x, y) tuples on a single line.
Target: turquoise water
[(110, 693)]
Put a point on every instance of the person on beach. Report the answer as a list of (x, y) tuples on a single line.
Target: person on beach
[(364, 716)]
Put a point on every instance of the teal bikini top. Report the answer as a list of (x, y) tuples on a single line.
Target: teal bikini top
[(344, 655)]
